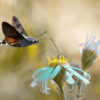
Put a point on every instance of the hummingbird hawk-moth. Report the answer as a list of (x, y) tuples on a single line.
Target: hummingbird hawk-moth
[(15, 34)]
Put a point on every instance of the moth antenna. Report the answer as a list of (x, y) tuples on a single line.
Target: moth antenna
[(41, 34), (55, 46)]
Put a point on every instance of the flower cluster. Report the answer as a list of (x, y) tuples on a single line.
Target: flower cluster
[(58, 69)]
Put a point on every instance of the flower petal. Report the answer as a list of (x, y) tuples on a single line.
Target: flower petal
[(55, 72), (84, 73), (69, 78), (44, 76), (96, 45), (39, 71), (44, 88), (33, 84), (89, 43), (72, 72), (42, 79)]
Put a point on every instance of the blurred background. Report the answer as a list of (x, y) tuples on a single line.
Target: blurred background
[(68, 22)]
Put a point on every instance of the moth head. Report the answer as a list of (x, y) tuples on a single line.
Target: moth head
[(35, 41), (31, 40)]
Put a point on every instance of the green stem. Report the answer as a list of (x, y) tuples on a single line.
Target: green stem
[(66, 94), (79, 90)]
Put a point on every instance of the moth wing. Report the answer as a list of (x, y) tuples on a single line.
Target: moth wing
[(16, 23), (11, 34)]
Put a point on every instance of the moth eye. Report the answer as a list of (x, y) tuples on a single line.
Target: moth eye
[(33, 40)]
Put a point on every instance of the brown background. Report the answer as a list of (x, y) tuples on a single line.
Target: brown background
[(68, 22)]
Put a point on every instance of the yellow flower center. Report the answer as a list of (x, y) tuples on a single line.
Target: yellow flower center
[(57, 61)]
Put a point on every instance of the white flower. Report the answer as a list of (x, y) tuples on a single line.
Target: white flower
[(42, 75)]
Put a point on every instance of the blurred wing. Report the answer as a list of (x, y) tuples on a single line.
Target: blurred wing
[(16, 23), (11, 34)]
